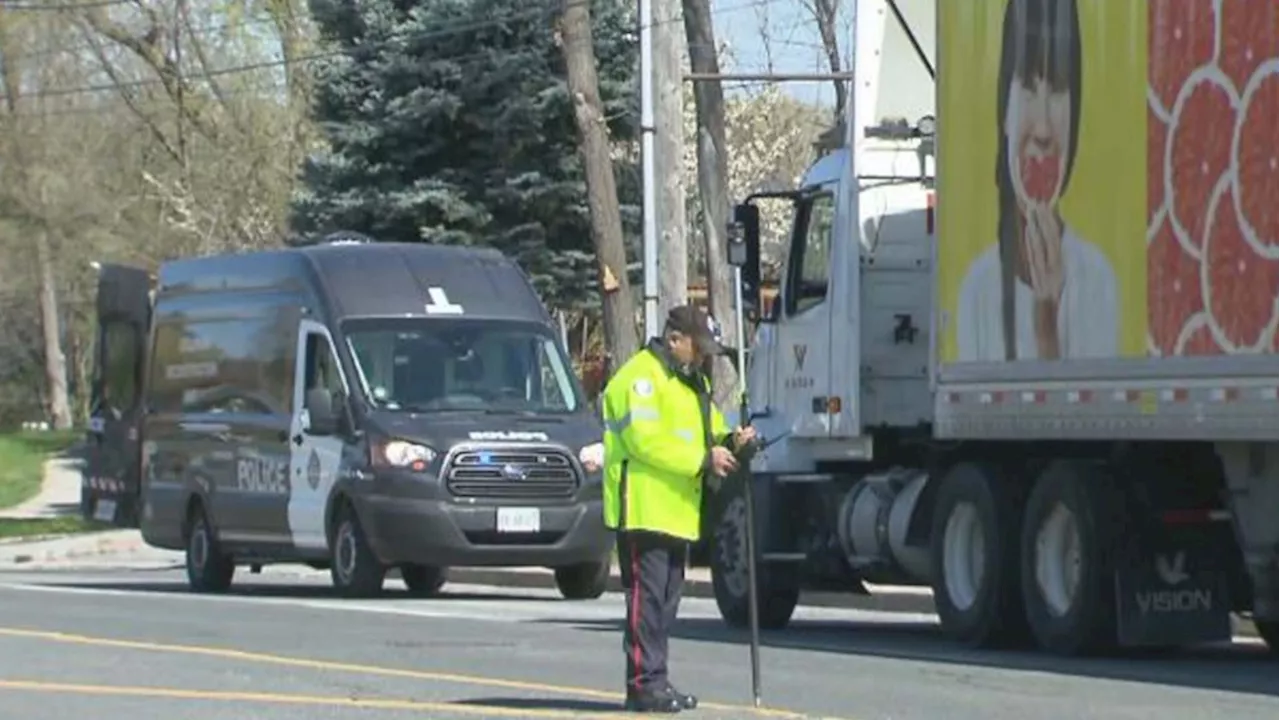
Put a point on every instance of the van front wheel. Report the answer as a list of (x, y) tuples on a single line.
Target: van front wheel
[(586, 581), (209, 570), (423, 580), (354, 567)]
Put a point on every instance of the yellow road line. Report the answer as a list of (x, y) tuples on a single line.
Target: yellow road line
[(290, 699), (362, 669)]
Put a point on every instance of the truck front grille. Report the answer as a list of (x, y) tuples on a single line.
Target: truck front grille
[(531, 474)]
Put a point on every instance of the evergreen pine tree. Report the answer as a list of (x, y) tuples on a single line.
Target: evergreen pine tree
[(449, 121)]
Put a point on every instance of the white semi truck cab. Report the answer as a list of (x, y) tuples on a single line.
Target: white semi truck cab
[(956, 389)]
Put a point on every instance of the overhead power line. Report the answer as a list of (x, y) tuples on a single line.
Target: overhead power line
[(61, 6), (438, 32), (197, 31)]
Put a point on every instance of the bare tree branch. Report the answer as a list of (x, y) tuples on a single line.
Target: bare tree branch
[(825, 13), (108, 67), (149, 47), (203, 59)]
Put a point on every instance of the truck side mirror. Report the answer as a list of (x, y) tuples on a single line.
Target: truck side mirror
[(744, 252), (322, 418)]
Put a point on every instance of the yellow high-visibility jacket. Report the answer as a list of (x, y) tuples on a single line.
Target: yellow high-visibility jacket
[(660, 426)]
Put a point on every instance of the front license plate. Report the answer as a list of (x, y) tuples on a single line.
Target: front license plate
[(519, 520)]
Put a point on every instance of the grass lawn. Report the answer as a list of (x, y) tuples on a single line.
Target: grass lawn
[(13, 528), (22, 457)]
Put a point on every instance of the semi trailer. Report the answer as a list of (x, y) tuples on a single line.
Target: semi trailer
[(1024, 353)]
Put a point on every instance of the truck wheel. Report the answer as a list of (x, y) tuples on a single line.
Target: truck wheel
[(209, 570), (974, 552), (423, 580), (586, 581), (777, 588), (355, 570), (1267, 631), (1067, 543)]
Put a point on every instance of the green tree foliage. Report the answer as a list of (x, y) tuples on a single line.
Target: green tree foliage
[(450, 121)]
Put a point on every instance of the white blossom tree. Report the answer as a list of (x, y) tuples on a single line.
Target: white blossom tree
[(770, 138)]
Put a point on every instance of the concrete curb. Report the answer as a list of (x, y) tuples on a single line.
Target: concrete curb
[(32, 551)]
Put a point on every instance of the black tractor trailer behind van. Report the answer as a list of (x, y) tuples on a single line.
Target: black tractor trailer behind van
[(351, 406)]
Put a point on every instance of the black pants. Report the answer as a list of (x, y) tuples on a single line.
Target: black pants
[(652, 566)]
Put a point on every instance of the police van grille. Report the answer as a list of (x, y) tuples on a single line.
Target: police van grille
[(546, 474)]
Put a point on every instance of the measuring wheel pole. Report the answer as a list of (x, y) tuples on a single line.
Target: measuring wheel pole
[(737, 256)]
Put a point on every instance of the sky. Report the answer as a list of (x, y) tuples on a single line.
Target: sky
[(780, 36)]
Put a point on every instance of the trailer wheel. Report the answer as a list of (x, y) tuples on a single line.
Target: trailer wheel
[(974, 549), (209, 570), (778, 587), (1067, 539), (1267, 631), (355, 569)]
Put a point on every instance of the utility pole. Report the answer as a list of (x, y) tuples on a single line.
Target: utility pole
[(602, 193), (179, 99), (668, 61), (703, 73), (649, 191), (713, 176)]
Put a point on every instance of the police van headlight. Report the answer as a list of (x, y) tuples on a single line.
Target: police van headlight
[(402, 454), (592, 458)]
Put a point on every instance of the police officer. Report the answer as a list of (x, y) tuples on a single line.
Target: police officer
[(663, 438)]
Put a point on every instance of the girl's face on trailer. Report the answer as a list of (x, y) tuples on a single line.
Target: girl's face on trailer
[(1038, 131)]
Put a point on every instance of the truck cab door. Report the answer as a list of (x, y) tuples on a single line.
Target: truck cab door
[(802, 334), (111, 488)]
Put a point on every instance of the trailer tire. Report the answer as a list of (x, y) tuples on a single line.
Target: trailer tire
[(209, 570), (1267, 631), (1068, 542), (974, 552), (777, 586)]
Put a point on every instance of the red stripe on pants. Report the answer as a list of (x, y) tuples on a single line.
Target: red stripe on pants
[(636, 650)]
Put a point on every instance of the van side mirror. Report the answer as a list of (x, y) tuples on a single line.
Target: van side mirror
[(322, 417), (744, 252)]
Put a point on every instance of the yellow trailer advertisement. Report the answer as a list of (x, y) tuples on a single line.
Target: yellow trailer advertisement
[(1107, 178)]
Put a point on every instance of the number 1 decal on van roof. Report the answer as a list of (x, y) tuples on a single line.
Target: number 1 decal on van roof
[(440, 304)]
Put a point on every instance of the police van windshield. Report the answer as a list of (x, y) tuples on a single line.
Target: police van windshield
[(433, 365)]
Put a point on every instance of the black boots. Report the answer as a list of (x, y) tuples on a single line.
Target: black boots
[(687, 702), (652, 702), (668, 701)]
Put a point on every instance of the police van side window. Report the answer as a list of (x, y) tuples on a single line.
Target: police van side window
[(321, 367), (222, 366)]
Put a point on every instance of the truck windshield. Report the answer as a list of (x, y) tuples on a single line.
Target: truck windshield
[(441, 365)]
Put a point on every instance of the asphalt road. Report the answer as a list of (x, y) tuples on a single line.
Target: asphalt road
[(120, 645)]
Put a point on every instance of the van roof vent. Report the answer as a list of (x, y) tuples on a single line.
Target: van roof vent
[(346, 237)]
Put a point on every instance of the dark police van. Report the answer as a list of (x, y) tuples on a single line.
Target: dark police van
[(351, 405)]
